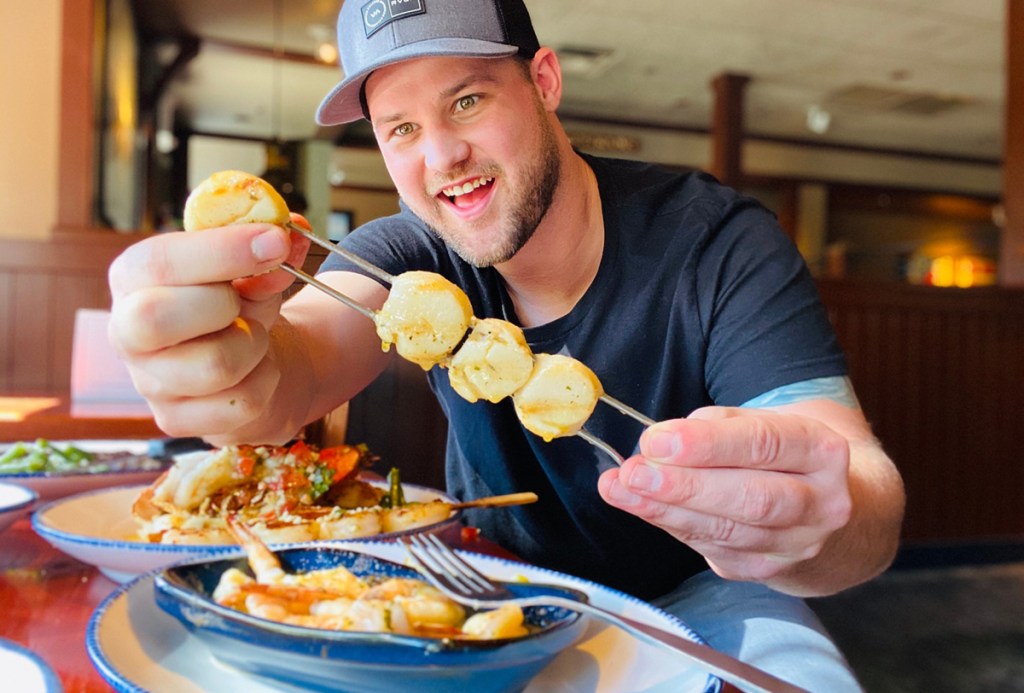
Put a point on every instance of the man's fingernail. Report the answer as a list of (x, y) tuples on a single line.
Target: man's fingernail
[(269, 245), (661, 445), (644, 478)]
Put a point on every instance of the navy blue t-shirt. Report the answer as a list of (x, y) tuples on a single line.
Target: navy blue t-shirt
[(700, 299)]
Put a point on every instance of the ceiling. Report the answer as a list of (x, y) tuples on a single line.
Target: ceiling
[(909, 75)]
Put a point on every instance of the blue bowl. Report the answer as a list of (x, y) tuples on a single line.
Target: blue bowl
[(355, 662)]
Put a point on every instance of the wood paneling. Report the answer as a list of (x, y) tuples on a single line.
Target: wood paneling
[(42, 284), (939, 373), (1011, 268)]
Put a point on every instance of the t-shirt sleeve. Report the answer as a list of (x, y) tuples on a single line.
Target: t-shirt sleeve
[(763, 319)]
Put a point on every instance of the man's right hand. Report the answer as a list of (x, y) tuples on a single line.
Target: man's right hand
[(191, 318)]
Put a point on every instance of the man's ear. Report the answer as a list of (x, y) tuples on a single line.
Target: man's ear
[(547, 77)]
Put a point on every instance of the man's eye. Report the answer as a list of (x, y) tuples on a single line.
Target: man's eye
[(466, 102), (404, 129)]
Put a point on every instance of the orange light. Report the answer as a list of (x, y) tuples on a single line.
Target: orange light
[(14, 409), (962, 271)]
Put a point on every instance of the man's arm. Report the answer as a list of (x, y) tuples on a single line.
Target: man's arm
[(791, 490)]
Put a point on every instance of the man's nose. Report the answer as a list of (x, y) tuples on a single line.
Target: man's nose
[(444, 149)]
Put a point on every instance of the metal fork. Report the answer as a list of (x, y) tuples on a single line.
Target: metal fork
[(451, 574)]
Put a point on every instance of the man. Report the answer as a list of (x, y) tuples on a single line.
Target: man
[(684, 298)]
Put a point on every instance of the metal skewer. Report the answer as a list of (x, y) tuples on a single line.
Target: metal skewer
[(341, 252), (627, 410), (372, 315), (601, 445), (333, 293)]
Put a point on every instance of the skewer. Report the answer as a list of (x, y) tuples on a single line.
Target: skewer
[(627, 410), (333, 293), (372, 315), (499, 501), (341, 252), (601, 445)]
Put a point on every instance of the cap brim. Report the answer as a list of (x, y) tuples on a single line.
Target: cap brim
[(342, 105)]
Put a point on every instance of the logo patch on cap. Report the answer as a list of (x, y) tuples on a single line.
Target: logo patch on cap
[(377, 14)]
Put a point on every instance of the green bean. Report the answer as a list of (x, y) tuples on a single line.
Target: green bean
[(42, 456)]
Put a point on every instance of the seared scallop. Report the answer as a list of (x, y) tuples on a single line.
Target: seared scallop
[(558, 398), (492, 363), (233, 197), (425, 317)]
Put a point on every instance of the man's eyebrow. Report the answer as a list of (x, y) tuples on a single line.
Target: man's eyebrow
[(470, 80), (445, 94)]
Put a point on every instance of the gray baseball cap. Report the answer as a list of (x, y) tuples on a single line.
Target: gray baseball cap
[(375, 33)]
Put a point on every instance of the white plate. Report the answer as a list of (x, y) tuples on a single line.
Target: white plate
[(15, 501), (25, 671), (97, 528), (53, 485), (138, 648)]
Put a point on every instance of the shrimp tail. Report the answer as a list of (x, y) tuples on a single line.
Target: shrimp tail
[(265, 565)]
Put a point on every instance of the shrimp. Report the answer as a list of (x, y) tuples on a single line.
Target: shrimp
[(349, 525), (195, 477), (413, 515), (262, 560), (320, 584), (504, 622), (422, 605)]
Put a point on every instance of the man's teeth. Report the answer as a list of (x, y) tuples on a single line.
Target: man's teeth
[(467, 187)]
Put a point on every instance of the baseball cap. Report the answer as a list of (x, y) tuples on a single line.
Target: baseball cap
[(375, 33)]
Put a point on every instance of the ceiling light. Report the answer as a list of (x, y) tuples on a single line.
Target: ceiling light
[(584, 61), (327, 53), (818, 119)]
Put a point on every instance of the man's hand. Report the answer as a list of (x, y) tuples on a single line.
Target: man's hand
[(191, 317), (755, 492)]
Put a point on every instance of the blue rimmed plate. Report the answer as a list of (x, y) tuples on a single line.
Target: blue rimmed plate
[(97, 528), (140, 649), (26, 671), (15, 502)]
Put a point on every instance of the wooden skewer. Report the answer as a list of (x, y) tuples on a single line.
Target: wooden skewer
[(499, 501)]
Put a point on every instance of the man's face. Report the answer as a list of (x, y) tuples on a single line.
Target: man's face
[(470, 149)]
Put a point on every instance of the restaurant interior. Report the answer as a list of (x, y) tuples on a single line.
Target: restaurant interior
[(888, 138)]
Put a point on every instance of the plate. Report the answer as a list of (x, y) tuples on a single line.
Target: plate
[(15, 501), (138, 648), (97, 528), (54, 485), (25, 671)]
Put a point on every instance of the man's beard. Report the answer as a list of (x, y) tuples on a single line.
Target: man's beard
[(529, 205)]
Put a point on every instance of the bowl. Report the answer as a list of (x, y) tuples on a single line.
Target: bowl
[(97, 528), (15, 502), (362, 662), (126, 462)]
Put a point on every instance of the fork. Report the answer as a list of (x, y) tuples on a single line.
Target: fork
[(455, 577)]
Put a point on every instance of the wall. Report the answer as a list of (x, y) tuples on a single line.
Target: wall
[(30, 53)]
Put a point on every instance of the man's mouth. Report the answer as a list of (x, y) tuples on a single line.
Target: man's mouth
[(468, 193)]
